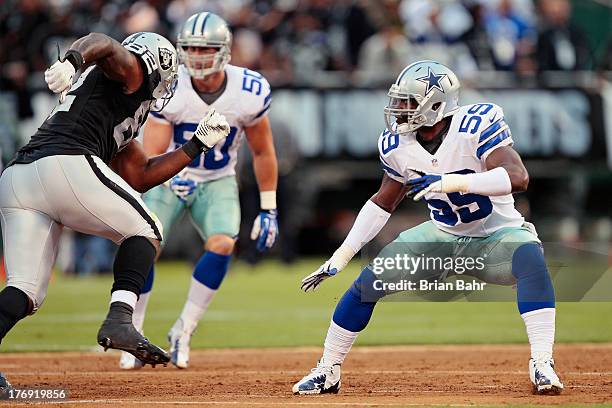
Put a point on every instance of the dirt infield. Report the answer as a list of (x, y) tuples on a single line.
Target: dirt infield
[(376, 376)]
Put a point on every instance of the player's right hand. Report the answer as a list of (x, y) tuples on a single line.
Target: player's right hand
[(212, 129), (182, 187), (327, 270), (59, 76)]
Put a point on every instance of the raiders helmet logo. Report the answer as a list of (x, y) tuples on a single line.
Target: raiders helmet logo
[(165, 58)]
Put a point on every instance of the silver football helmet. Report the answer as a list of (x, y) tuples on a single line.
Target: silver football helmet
[(159, 57), (206, 30), (424, 93)]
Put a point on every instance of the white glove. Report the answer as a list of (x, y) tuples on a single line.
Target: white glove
[(335, 264), (212, 129), (59, 77)]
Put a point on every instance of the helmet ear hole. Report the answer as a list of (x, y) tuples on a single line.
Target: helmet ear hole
[(436, 106)]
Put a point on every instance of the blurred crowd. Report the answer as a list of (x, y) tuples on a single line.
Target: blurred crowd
[(306, 42)]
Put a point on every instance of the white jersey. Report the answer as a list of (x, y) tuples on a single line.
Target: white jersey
[(245, 101), (475, 131)]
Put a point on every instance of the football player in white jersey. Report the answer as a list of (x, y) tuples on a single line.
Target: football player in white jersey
[(460, 160), (207, 188)]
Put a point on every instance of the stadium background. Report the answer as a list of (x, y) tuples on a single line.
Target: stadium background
[(547, 63)]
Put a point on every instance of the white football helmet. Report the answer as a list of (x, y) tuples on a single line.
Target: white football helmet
[(160, 59), (206, 30), (424, 93)]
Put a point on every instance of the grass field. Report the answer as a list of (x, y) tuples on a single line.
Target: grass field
[(262, 306)]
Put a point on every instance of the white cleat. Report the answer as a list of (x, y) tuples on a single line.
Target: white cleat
[(179, 338), (323, 379), (543, 376), (129, 362)]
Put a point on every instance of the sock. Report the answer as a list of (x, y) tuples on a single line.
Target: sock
[(14, 306), (534, 287), (540, 325), (143, 300), (211, 269), (207, 277), (351, 316), (132, 264), (337, 344), (124, 296)]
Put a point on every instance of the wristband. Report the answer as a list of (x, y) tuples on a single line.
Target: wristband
[(267, 200), (342, 256), (455, 183), (193, 148), (75, 58)]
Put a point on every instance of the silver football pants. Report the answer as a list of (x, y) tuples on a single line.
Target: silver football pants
[(80, 192)]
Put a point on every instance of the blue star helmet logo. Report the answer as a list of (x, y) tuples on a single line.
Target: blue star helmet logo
[(432, 80)]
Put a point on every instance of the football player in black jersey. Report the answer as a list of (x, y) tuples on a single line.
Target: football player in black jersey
[(84, 170)]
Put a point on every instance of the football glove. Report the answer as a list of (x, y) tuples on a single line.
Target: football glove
[(265, 229), (182, 187), (335, 264), (311, 282), (432, 183), (59, 77), (211, 129)]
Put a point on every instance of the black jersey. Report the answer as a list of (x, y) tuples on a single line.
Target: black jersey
[(96, 118)]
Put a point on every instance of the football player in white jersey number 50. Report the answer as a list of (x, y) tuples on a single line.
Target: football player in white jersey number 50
[(207, 188), (458, 159)]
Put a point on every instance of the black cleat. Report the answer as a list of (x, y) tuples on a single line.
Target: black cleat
[(118, 332), (5, 387)]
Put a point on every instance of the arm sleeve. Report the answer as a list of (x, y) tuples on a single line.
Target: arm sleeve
[(370, 220), (494, 182), (495, 133)]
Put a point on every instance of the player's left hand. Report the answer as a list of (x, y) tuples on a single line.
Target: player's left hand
[(433, 183), (311, 282), (59, 77), (265, 230)]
